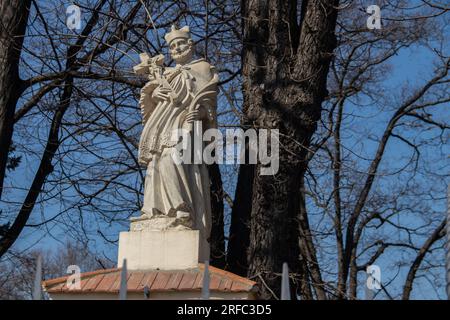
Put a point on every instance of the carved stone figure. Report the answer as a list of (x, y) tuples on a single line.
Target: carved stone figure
[(176, 196)]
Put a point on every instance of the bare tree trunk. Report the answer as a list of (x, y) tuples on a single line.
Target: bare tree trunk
[(436, 235), (239, 236), (13, 22), (285, 76), (308, 261), (217, 239), (53, 141), (45, 168)]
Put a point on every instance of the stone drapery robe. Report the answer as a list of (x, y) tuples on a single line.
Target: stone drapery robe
[(170, 187)]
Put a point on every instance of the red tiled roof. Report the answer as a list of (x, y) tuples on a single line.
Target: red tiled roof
[(108, 281)]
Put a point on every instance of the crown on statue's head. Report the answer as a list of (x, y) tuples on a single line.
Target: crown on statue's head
[(177, 33)]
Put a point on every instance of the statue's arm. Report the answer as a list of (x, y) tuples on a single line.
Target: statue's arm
[(146, 102)]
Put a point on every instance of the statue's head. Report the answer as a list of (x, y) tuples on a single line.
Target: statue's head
[(181, 46)]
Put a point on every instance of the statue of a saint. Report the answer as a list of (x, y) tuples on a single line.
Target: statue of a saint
[(176, 196)]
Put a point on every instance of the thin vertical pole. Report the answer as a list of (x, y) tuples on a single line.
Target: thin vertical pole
[(369, 292), (285, 289), (205, 286), (123, 281), (37, 289)]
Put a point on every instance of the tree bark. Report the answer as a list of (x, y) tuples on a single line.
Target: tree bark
[(13, 22), (285, 73), (217, 238), (239, 236)]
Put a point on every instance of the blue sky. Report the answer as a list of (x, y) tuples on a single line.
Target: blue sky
[(411, 65)]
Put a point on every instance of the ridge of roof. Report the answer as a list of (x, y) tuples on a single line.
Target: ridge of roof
[(108, 281), (227, 274), (84, 275)]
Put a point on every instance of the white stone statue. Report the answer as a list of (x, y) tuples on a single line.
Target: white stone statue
[(176, 196)]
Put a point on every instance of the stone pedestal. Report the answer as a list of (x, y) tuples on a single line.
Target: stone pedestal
[(163, 243), (163, 250)]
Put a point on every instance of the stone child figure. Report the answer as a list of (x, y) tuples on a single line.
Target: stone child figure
[(176, 196)]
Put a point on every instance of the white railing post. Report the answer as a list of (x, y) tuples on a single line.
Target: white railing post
[(37, 289), (285, 288), (205, 286), (369, 293), (123, 281)]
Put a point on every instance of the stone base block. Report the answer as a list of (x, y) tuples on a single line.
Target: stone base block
[(164, 250)]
